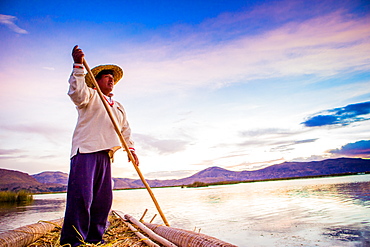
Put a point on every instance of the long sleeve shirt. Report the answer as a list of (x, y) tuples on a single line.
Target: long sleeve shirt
[(94, 130)]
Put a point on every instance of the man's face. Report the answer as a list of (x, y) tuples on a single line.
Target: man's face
[(106, 83)]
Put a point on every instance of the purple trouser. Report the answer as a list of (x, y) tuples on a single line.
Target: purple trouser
[(89, 199)]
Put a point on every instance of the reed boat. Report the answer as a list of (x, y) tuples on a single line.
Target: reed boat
[(124, 230)]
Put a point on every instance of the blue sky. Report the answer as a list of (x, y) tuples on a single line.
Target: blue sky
[(236, 84)]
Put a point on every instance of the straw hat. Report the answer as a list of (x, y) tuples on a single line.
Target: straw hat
[(117, 73)]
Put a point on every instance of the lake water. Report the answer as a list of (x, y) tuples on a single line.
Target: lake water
[(303, 212)]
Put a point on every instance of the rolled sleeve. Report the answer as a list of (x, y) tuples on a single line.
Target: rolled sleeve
[(78, 90)]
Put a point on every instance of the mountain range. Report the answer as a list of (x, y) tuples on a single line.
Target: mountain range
[(16, 180), (57, 181)]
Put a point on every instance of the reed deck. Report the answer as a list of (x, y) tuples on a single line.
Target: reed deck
[(124, 230)]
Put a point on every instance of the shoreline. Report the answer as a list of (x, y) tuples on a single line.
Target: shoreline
[(231, 182)]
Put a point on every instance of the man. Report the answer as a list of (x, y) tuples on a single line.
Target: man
[(89, 195)]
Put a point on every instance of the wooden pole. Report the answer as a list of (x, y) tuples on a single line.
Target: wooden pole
[(142, 217), (150, 233), (142, 237), (123, 142), (186, 238), (152, 218)]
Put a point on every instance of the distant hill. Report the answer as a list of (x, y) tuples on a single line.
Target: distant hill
[(57, 181), (126, 183), (16, 180), (313, 168), (52, 177), (283, 170)]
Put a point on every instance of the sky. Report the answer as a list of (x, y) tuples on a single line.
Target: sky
[(240, 85)]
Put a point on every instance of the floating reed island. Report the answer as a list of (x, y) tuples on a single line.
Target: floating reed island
[(124, 230)]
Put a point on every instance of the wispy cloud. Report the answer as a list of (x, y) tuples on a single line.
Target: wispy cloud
[(267, 132), (51, 133), (290, 145), (340, 116), (21, 154), (322, 46), (161, 146), (256, 165), (9, 151), (170, 174), (9, 21), (277, 137)]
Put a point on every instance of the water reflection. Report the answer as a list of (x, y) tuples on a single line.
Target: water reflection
[(6, 208), (354, 234), (350, 191), (13, 216), (285, 213)]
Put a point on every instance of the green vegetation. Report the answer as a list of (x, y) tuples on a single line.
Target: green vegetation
[(229, 182), (15, 197), (197, 184)]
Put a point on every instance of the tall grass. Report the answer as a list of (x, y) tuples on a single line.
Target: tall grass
[(15, 197), (197, 184)]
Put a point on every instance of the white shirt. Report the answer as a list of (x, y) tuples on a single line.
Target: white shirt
[(94, 130)]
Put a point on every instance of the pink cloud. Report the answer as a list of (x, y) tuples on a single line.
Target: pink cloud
[(321, 46)]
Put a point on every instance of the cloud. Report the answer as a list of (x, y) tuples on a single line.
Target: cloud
[(323, 46), (170, 174), (9, 151), (267, 132), (311, 158), (340, 116), (271, 136), (357, 149), (17, 154), (8, 21), (250, 166), (21, 154), (52, 133), (289, 145), (161, 146)]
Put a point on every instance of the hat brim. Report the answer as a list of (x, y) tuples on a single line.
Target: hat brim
[(117, 73)]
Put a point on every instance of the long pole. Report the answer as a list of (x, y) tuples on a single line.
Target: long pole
[(123, 142)]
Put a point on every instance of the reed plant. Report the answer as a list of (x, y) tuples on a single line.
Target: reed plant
[(15, 196), (197, 184)]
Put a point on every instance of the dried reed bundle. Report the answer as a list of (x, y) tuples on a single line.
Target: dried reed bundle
[(50, 239), (172, 237), (25, 235), (184, 238), (117, 234)]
